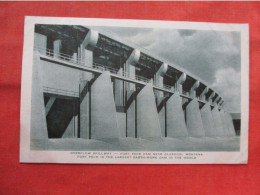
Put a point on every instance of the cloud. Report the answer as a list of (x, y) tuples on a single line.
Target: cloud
[(227, 82)]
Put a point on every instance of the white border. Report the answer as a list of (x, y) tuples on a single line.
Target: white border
[(26, 155)]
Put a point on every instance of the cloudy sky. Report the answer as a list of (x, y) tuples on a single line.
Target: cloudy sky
[(213, 56)]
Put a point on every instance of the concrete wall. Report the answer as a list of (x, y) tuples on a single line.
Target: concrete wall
[(207, 120), (84, 110), (103, 110), (39, 134), (148, 125), (162, 116), (59, 77), (193, 119), (176, 126)]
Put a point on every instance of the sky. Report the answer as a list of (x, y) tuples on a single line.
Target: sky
[(213, 56)]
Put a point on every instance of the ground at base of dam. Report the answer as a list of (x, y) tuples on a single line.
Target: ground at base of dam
[(205, 144)]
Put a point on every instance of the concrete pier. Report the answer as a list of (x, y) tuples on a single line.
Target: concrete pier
[(148, 125), (176, 126), (103, 110), (193, 119), (207, 120)]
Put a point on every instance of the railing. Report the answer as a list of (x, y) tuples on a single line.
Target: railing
[(78, 61), (168, 87), (60, 91)]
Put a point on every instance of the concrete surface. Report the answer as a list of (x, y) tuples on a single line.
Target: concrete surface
[(176, 126), (207, 120), (193, 119), (103, 109), (148, 124)]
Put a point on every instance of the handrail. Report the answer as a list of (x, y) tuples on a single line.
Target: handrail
[(78, 61), (60, 91)]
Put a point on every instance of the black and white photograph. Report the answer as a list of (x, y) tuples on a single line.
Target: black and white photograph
[(134, 91)]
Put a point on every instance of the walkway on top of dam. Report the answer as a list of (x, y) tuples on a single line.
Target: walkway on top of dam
[(75, 63)]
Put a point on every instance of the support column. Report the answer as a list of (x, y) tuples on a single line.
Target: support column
[(203, 94), (131, 95), (85, 56), (38, 133), (57, 47), (179, 83), (216, 100), (193, 89), (74, 58), (119, 90), (160, 99), (210, 97), (159, 80), (86, 50)]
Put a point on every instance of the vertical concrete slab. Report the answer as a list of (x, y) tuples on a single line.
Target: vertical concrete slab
[(207, 120), (217, 122), (57, 47), (39, 133), (130, 115), (84, 110), (193, 119), (119, 93), (176, 126), (226, 131), (162, 116), (87, 59), (103, 109), (130, 93), (148, 125)]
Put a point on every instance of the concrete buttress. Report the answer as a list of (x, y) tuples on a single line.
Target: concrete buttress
[(103, 110), (148, 125), (193, 119), (176, 126), (207, 120)]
